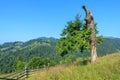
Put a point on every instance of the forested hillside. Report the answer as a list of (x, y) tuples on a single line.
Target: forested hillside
[(9, 52), (44, 48), (109, 45)]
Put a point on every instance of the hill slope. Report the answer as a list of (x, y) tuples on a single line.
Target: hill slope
[(44, 47), (9, 52), (109, 45), (107, 68)]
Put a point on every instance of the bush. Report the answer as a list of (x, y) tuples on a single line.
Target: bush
[(69, 59), (38, 62)]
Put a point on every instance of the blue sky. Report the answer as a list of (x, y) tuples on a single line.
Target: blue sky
[(22, 20)]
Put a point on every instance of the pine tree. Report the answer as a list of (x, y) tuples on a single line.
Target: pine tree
[(75, 37)]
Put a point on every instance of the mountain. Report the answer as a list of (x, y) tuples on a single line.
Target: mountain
[(45, 48), (9, 52), (109, 45)]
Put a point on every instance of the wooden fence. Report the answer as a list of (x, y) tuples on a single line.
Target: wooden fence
[(21, 75), (16, 75)]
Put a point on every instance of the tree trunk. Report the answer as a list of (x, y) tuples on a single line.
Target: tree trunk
[(91, 26)]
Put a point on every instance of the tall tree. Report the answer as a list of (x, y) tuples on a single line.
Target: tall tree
[(91, 26), (75, 37), (79, 36)]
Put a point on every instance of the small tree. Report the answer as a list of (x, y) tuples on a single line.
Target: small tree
[(19, 65), (75, 37)]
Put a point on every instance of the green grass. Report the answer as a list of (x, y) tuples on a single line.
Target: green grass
[(107, 68)]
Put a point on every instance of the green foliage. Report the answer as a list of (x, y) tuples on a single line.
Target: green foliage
[(99, 39), (35, 62), (75, 37), (68, 59), (19, 65), (38, 62), (48, 62)]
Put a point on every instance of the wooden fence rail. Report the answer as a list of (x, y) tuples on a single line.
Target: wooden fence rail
[(21, 75), (16, 75)]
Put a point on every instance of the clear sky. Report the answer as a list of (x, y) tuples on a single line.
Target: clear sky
[(22, 20)]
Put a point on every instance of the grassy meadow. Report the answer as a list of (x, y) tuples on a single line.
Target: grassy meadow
[(107, 68)]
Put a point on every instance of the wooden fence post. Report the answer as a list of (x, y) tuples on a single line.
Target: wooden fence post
[(26, 71)]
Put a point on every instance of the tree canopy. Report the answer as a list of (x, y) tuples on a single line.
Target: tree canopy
[(75, 37)]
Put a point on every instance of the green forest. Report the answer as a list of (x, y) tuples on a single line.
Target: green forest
[(15, 55)]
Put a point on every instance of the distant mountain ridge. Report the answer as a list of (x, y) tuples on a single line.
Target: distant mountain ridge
[(109, 45), (44, 47)]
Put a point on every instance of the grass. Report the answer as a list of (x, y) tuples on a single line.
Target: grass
[(107, 68)]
